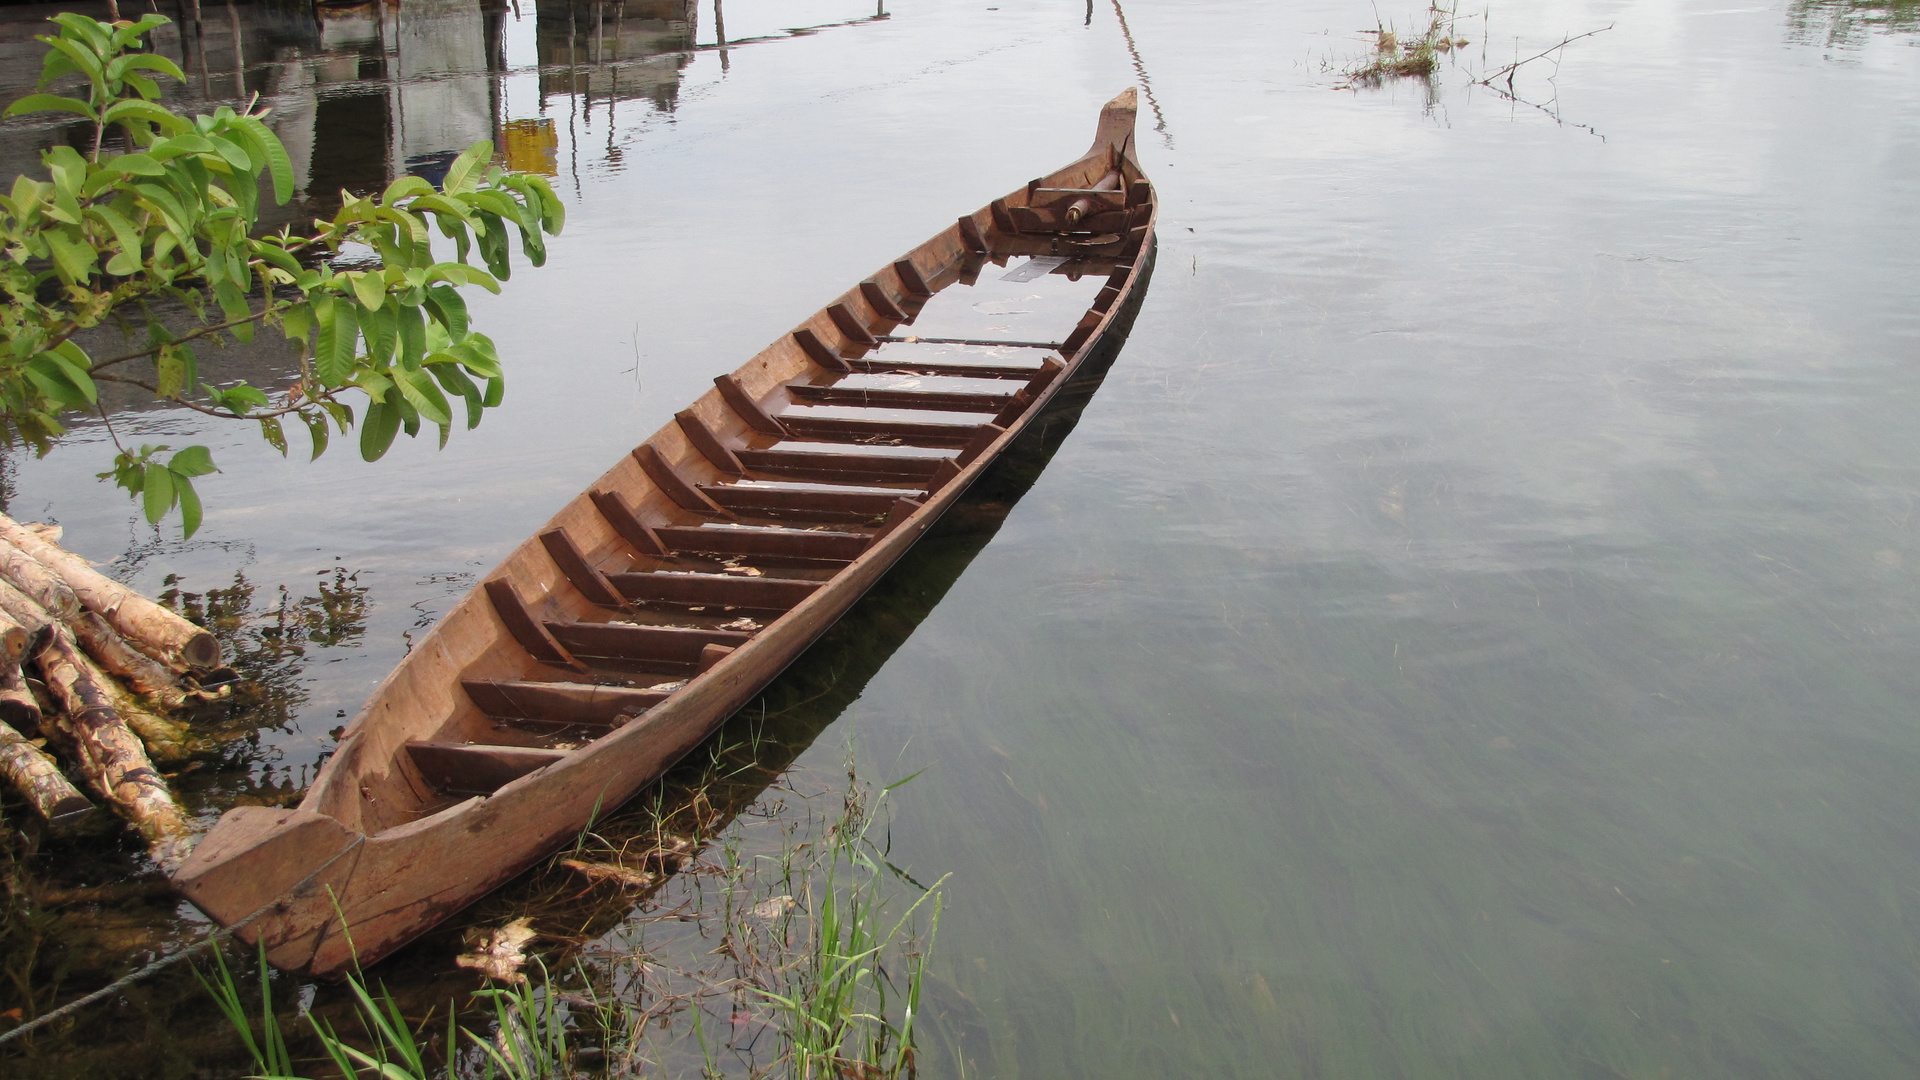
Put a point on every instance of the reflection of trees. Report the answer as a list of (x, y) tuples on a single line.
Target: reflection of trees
[(267, 642), (1848, 22)]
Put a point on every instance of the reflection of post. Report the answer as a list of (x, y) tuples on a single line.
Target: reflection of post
[(1089, 21), (442, 103), (290, 86), (239, 57), (493, 14), (720, 33)]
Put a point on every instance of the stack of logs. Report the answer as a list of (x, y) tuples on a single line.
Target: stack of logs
[(91, 667)]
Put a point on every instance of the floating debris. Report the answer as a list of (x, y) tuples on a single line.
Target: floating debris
[(774, 908), (619, 875), (499, 954)]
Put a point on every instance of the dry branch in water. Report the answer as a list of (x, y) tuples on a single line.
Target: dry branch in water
[(1507, 72)]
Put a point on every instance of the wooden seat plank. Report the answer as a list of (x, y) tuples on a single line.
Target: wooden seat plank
[(586, 704), (775, 543), (628, 642), (898, 399), (857, 507), (476, 768), (750, 594), (897, 432), (840, 468), (890, 365)]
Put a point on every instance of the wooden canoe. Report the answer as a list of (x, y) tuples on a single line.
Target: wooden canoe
[(666, 595)]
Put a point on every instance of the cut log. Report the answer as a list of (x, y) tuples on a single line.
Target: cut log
[(166, 740), (13, 642), (17, 704), (35, 776), (141, 672), (155, 630), (106, 752), (36, 581), (145, 674)]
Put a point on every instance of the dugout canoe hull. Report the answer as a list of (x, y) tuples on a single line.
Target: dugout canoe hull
[(452, 780)]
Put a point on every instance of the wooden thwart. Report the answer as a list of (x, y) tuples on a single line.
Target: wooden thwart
[(858, 507), (678, 645), (716, 592), (840, 468), (898, 399), (897, 432), (476, 768), (902, 366), (803, 544), (559, 702)]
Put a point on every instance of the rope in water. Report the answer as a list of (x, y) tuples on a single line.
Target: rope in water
[(166, 962)]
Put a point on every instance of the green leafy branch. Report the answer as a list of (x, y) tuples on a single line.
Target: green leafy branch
[(172, 217)]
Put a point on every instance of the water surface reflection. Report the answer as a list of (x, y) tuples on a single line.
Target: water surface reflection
[(1471, 633)]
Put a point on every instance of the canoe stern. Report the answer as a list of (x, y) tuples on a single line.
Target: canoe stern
[(266, 871)]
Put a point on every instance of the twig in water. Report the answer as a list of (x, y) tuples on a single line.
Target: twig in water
[(1508, 71)]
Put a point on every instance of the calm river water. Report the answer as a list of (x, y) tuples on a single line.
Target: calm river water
[(1469, 634)]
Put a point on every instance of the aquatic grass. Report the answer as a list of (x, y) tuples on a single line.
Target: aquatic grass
[(1416, 57), (836, 1002), (269, 1051), (530, 1032)]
